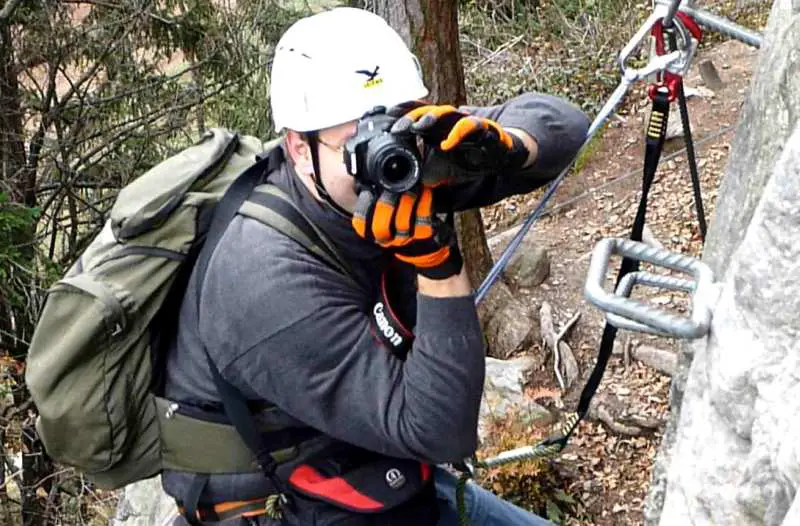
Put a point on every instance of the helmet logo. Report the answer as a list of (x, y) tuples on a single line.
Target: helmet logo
[(372, 77)]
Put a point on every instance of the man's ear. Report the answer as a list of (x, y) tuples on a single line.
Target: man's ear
[(299, 152)]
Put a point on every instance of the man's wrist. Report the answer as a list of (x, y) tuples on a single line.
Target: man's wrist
[(530, 144), (454, 286)]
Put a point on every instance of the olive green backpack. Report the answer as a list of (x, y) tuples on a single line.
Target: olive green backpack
[(94, 359)]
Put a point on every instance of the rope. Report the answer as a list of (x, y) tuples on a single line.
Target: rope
[(274, 507), (546, 448), (605, 112)]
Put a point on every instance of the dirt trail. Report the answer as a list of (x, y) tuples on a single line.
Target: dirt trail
[(613, 471)]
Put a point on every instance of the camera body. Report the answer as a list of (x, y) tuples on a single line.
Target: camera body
[(380, 159)]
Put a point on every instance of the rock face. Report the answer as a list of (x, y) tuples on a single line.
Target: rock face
[(503, 392), (743, 389), (144, 504), (768, 119), (732, 457)]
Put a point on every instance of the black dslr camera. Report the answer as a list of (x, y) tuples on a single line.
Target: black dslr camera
[(377, 158)]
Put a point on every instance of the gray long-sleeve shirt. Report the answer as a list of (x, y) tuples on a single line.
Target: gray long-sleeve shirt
[(285, 328)]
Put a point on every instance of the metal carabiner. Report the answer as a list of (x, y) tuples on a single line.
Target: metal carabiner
[(636, 40), (688, 38), (718, 24), (679, 60), (661, 321)]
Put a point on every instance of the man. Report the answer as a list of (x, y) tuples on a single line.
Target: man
[(378, 373)]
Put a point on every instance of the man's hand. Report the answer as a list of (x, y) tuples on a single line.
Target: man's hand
[(475, 144), (405, 224), (449, 127)]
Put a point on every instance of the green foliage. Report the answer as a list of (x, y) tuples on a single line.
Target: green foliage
[(246, 107), (16, 264), (106, 90), (562, 47), (15, 224), (535, 485), (109, 89), (590, 149)]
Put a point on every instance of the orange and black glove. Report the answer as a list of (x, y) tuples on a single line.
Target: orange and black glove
[(405, 225), (475, 144)]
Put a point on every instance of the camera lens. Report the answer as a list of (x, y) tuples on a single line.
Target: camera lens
[(396, 168), (392, 164)]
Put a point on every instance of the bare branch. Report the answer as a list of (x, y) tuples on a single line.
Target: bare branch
[(131, 125), (139, 89), (561, 350), (92, 71), (8, 10)]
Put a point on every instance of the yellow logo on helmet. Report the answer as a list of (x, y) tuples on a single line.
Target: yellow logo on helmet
[(372, 77)]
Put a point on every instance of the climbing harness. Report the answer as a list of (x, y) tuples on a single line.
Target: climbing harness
[(675, 27)]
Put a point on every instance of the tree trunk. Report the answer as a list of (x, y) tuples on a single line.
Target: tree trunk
[(16, 180), (740, 392), (430, 28), (19, 180)]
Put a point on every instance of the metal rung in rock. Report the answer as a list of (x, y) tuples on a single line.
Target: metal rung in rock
[(652, 280), (627, 313)]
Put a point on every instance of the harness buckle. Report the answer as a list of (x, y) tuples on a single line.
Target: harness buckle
[(669, 82)]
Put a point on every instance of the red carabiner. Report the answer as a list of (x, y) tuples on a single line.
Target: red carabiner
[(668, 80), (687, 21)]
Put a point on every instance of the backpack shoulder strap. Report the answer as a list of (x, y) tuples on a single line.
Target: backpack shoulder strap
[(269, 205), (252, 197)]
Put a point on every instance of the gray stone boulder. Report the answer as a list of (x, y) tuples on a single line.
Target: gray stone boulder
[(144, 504), (503, 393), (529, 267)]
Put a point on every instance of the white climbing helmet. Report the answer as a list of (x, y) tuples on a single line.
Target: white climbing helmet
[(334, 66)]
